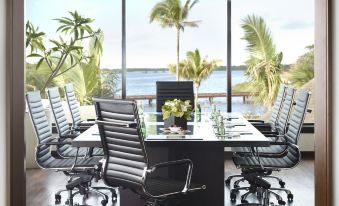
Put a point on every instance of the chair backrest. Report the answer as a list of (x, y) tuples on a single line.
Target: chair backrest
[(123, 146), (278, 105), (295, 124), (42, 127), (285, 110), (58, 111), (297, 117), (169, 90), (72, 104)]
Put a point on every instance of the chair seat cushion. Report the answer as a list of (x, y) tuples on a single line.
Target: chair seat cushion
[(98, 151), (53, 163), (288, 161), (69, 151), (276, 149), (161, 186)]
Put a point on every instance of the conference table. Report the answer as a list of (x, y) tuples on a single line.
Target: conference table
[(201, 143)]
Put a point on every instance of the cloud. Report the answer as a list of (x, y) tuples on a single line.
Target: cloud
[(298, 25)]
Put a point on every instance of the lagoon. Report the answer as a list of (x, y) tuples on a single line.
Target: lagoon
[(143, 83)]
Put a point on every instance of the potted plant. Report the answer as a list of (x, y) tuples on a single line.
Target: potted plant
[(176, 113)]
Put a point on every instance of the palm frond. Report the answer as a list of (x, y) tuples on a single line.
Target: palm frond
[(264, 63)]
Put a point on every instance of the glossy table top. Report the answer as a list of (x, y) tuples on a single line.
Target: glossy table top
[(238, 133)]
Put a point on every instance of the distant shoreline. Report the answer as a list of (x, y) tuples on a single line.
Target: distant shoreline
[(221, 68)]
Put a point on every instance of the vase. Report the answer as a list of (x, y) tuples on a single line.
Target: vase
[(178, 121)]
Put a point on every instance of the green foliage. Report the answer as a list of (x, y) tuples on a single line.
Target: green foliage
[(177, 108), (242, 87), (264, 66), (171, 13), (195, 68), (303, 70), (34, 39), (88, 79), (110, 80), (64, 55), (69, 61)]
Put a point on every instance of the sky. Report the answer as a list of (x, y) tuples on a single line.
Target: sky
[(149, 46)]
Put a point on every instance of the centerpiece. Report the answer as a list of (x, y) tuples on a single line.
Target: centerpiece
[(176, 113)]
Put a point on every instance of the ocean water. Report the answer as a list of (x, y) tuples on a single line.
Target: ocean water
[(144, 83)]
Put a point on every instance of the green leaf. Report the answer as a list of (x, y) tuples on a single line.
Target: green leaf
[(39, 63), (34, 55)]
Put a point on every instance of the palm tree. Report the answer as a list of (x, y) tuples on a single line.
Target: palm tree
[(264, 66), (303, 70), (196, 69), (170, 13)]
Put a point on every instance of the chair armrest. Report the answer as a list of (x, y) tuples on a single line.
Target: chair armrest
[(187, 162), (55, 142), (90, 120), (117, 123), (256, 121), (69, 136)]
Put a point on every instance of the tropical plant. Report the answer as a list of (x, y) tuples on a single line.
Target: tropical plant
[(64, 55), (177, 108), (89, 80), (195, 68), (303, 70), (264, 66), (171, 13)]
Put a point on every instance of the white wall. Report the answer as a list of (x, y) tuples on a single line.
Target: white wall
[(335, 127), (2, 102)]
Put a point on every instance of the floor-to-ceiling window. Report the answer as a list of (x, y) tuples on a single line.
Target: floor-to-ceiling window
[(151, 48), (274, 41)]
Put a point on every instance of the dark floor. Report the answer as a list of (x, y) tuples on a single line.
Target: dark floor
[(42, 184)]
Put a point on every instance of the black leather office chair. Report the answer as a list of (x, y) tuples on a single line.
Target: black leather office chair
[(278, 129), (261, 124), (169, 90), (126, 157), (63, 128), (80, 170), (264, 164), (77, 123)]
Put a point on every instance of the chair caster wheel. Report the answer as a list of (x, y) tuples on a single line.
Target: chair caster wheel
[(114, 197), (233, 197), (104, 202), (244, 201), (290, 197), (57, 199), (281, 202), (227, 182), (282, 184)]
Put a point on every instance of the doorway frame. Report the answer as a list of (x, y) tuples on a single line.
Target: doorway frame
[(15, 74)]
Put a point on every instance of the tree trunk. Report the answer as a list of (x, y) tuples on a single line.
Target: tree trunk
[(196, 96), (178, 50)]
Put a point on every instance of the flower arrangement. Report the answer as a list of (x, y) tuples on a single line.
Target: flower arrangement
[(177, 108)]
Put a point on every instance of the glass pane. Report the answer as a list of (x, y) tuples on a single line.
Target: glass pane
[(105, 66), (291, 32), (151, 48)]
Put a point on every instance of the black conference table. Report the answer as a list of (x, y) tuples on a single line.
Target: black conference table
[(200, 144)]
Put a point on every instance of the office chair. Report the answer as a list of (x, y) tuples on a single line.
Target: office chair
[(169, 90), (80, 171), (77, 123), (278, 129), (261, 124), (63, 128), (127, 163), (262, 164)]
